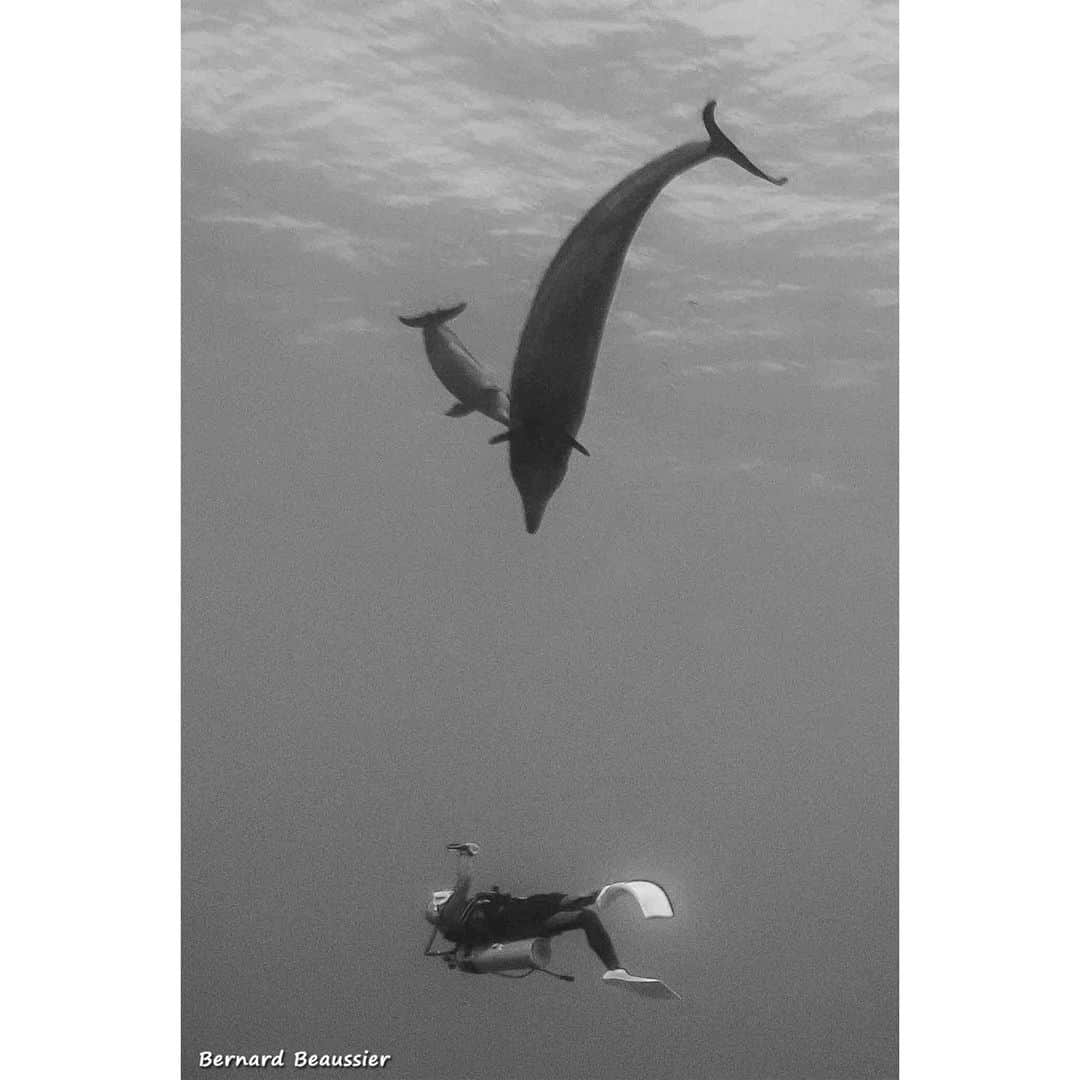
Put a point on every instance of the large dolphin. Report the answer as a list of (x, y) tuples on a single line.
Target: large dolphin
[(458, 370), (556, 355)]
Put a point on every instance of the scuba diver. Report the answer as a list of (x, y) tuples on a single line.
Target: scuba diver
[(484, 923)]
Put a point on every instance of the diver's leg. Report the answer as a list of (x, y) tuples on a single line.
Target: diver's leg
[(587, 920)]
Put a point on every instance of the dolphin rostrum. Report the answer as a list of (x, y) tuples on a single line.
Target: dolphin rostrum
[(458, 370), (556, 354)]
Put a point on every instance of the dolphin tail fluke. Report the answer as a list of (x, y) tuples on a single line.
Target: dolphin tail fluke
[(432, 318), (459, 410), (722, 146)]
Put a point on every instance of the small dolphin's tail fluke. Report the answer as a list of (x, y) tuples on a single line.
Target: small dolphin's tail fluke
[(432, 318), (722, 146)]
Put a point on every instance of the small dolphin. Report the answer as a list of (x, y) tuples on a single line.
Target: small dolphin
[(458, 370), (556, 354)]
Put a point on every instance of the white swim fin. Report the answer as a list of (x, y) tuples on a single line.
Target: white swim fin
[(650, 897), (653, 988)]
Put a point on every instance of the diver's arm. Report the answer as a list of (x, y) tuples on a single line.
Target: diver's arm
[(463, 877), (465, 853), (455, 906)]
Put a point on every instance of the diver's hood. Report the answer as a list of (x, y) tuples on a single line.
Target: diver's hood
[(435, 905)]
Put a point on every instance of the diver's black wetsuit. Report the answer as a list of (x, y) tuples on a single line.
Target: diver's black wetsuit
[(497, 916)]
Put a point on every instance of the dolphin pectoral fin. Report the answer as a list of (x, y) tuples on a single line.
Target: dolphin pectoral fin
[(722, 146), (508, 434), (459, 410)]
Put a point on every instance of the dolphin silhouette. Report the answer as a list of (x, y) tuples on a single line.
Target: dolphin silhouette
[(458, 370), (556, 355)]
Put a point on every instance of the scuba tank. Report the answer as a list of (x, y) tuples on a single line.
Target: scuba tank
[(531, 954)]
